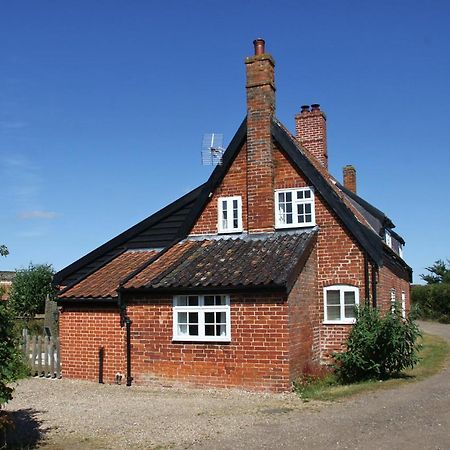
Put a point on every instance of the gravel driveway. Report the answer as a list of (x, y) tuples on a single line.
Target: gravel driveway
[(65, 414)]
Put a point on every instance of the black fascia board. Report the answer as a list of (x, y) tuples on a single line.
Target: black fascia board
[(397, 264), (87, 301), (208, 289), (380, 215), (215, 179), (368, 240), (128, 234)]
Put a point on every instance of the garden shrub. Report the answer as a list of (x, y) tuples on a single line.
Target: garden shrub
[(378, 347), (432, 301), (10, 355)]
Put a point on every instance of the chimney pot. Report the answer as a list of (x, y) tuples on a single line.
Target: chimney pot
[(259, 45), (304, 108), (315, 107)]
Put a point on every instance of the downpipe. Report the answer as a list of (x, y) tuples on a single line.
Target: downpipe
[(126, 322)]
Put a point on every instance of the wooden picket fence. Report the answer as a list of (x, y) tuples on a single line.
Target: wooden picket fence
[(42, 355)]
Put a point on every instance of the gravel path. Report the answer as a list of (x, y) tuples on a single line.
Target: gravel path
[(66, 414)]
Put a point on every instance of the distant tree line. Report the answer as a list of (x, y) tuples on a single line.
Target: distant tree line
[(432, 300)]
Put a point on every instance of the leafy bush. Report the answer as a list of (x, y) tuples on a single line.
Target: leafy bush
[(432, 301), (10, 356), (378, 347), (30, 288)]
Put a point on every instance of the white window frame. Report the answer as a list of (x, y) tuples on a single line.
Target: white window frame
[(295, 223), (393, 299), (388, 238), (342, 288), (201, 309), (229, 202), (400, 250), (404, 304)]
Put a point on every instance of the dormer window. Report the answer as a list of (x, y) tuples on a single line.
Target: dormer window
[(230, 214), (388, 239), (294, 208)]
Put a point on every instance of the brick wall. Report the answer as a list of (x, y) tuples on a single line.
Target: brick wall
[(304, 320), (256, 358), (388, 280), (234, 183), (82, 332)]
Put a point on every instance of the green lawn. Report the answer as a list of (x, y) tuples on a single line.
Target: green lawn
[(434, 353)]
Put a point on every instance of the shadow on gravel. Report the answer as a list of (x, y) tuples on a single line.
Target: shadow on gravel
[(23, 431)]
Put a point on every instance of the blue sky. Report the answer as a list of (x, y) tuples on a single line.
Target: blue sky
[(103, 106)]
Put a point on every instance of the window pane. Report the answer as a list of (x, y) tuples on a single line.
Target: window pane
[(333, 298), (300, 209), (220, 300), (334, 312), (288, 218), (182, 329), (209, 300), (181, 301), (193, 330), (209, 317), (182, 317), (209, 330), (193, 317), (221, 317), (288, 207), (221, 330), (308, 208), (281, 197), (349, 311), (300, 195), (308, 218), (235, 204), (307, 194), (349, 298), (289, 197), (193, 300)]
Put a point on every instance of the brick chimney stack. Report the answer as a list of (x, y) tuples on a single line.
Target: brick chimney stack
[(311, 130), (349, 175), (260, 110)]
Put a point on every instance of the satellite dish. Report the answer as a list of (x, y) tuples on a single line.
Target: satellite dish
[(212, 149)]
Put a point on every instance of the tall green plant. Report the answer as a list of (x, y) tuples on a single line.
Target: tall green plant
[(378, 347), (30, 288)]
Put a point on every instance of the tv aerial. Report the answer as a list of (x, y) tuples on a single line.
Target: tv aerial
[(212, 149)]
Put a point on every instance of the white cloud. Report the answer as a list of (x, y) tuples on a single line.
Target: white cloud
[(37, 214)]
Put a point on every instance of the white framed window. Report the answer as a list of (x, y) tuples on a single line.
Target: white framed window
[(393, 299), (403, 304), (340, 302), (400, 251), (388, 238), (201, 318), (294, 208), (229, 214)]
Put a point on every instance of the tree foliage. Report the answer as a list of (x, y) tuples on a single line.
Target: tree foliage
[(30, 288), (378, 347), (4, 250), (432, 301), (439, 272)]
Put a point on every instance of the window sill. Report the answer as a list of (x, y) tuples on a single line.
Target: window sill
[(201, 339), (339, 322), (240, 230), (306, 225)]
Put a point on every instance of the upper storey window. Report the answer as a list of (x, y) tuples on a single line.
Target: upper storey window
[(230, 214), (294, 208), (388, 238)]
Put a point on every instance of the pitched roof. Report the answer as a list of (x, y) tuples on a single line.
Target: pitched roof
[(249, 261), (156, 231), (104, 282)]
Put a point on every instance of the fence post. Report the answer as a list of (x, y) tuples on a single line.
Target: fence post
[(39, 352), (58, 359), (52, 357), (33, 356)]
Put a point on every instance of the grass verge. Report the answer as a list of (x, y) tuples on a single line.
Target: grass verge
[(434, 353)]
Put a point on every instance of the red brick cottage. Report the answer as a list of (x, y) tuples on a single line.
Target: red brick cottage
[(244, 281)]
